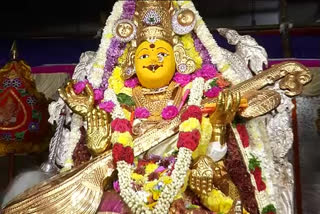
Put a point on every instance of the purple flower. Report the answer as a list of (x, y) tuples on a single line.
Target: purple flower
[(182, 79), (107, 106), (160, 169), (213, 92), (128, 9), (114, 51), (169, 112), (116, 186), (201, 49), (141, 113), (131, 83), (207, 71), (79, 86), (98, 95)]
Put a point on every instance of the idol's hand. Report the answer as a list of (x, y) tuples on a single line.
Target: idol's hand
[(82, 103), (227, 106), (98, 132), (201, 176)]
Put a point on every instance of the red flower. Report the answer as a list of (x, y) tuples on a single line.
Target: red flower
[(192, 111), (121, 125), (244, 136), (189, 140), (261, 186), (120, 153), (142, 162)]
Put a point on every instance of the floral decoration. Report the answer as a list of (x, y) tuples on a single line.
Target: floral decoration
[(169, 112), (189, 140), (192, 111), (79, 86), (141, 112), (132, 82), (270, 209), (244, 136), (121, 125), (107, 106), (255, 169)]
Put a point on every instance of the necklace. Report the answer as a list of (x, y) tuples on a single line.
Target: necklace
[(155, 100)]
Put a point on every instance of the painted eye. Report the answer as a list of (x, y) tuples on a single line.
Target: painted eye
[(162, 54), (144, 56)]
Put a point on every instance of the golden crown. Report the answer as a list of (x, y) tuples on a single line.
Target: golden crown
[(153, 20)]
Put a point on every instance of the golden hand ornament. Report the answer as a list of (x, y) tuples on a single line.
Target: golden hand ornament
[(82, 103), (98, 132), (227, 107)]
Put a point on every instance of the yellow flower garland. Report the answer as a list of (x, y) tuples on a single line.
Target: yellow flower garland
[(116, 82), (190, 125), (188, 44), (206, 134), (124, 138)]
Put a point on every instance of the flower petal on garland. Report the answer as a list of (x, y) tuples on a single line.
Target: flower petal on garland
[(121, 125), (120, 153), (169, 112), (189, 140), (192, 111)]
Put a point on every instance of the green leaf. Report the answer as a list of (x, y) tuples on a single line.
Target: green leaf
[(268, 209), (1, 91), (36, 115), (213, 83), (125, 99), (253, 163), (19, 135)]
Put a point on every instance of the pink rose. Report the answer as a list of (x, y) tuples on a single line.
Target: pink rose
[(141, 113), (131, 83), (98, 95), (182, 79), (169, 112), (207, 71), (107, 106), (213, 92), (79, 86)]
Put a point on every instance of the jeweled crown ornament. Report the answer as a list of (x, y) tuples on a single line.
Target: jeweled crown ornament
[(153, 21)]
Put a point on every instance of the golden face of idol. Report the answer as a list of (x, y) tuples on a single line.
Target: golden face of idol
[(154, 64)]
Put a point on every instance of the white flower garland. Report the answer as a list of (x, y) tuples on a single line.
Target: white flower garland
[(196, 92), (97, 70), (184, 158)]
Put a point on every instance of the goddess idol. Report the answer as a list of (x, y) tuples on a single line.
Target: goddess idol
[(163, 120)]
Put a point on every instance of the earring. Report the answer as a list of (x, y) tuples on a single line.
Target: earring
[(128, 68), (185, 64)]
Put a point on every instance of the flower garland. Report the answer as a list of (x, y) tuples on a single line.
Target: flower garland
[(123, 155), (191, 51), (97, 70), (254, 166), (116, 47), (201, 49)]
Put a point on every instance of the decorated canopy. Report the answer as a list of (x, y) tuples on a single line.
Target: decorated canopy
[(23, 110)]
